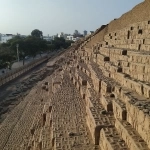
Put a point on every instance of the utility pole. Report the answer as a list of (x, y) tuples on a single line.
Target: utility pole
[(17, 45)]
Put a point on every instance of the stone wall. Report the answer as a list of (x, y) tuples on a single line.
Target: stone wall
[(114, 63), (139, 13)]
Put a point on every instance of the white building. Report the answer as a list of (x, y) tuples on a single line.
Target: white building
[(5, 37), (61, 35), (71, 38)]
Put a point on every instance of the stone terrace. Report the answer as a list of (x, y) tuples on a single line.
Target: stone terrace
[(96, 98)]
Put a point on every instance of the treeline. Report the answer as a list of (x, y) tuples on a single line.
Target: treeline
[(28, 46)]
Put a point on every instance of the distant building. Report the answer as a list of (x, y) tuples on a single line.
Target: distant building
[(47, 38), (5, 37), (61, 35), (65, 36), (72, 38), (53, 37), (84, 33), (76, 32), (91, 32)]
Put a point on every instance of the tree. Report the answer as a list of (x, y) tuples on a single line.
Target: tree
[(22, 46), (6, 56), (37, 33), (35, 45)]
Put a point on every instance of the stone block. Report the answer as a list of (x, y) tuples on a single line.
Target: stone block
[(136, 67), (124, 63), (106, 73), (123, 58), (145, 47), (146, 90), (119, 77), (119, 109), (97, 85), (147, 69), (102, 57), (105, 87), (118, 51), (143, 77), (88, 102), (133, 85), (106, 101), (115, 69), (138, 41), (126, 70), (90, 121), (147, 41), (134, 46)]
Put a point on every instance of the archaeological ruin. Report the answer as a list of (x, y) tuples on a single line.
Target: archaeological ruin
[(95, 97)]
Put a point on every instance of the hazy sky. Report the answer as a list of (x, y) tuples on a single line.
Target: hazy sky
[(55, 16)]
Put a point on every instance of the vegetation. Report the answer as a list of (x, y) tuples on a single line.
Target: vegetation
[(58, 43), (37, 33), (29, 46)]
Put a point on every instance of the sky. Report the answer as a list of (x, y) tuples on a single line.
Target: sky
[(55, 16)]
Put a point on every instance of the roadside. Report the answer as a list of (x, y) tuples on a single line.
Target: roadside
[(16, 65)]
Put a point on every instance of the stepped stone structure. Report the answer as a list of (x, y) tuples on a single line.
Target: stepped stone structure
[(96, 97)]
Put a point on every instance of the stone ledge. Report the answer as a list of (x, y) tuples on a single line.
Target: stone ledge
[(110, 139), (130, 136), (106, 101), (119, 109)]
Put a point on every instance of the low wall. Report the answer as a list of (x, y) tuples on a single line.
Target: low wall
[(19, 71)]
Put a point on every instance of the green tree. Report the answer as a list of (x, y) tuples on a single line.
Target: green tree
[(6, 56), (59, 43), (22, 47), (37, 33), (35, 45)]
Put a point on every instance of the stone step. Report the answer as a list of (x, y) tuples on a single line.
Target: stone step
[(106, 83), (102, 57), (84, 65), (141, 88), (112, 51), (119, 109), (126, 94), (130, 136), (139, 68), (143, 77), (139, 117), (79, 86), (112, 68), (110, 139), (84, 77), (139, 57), (106, 101), (97, 117), (142, 57)]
